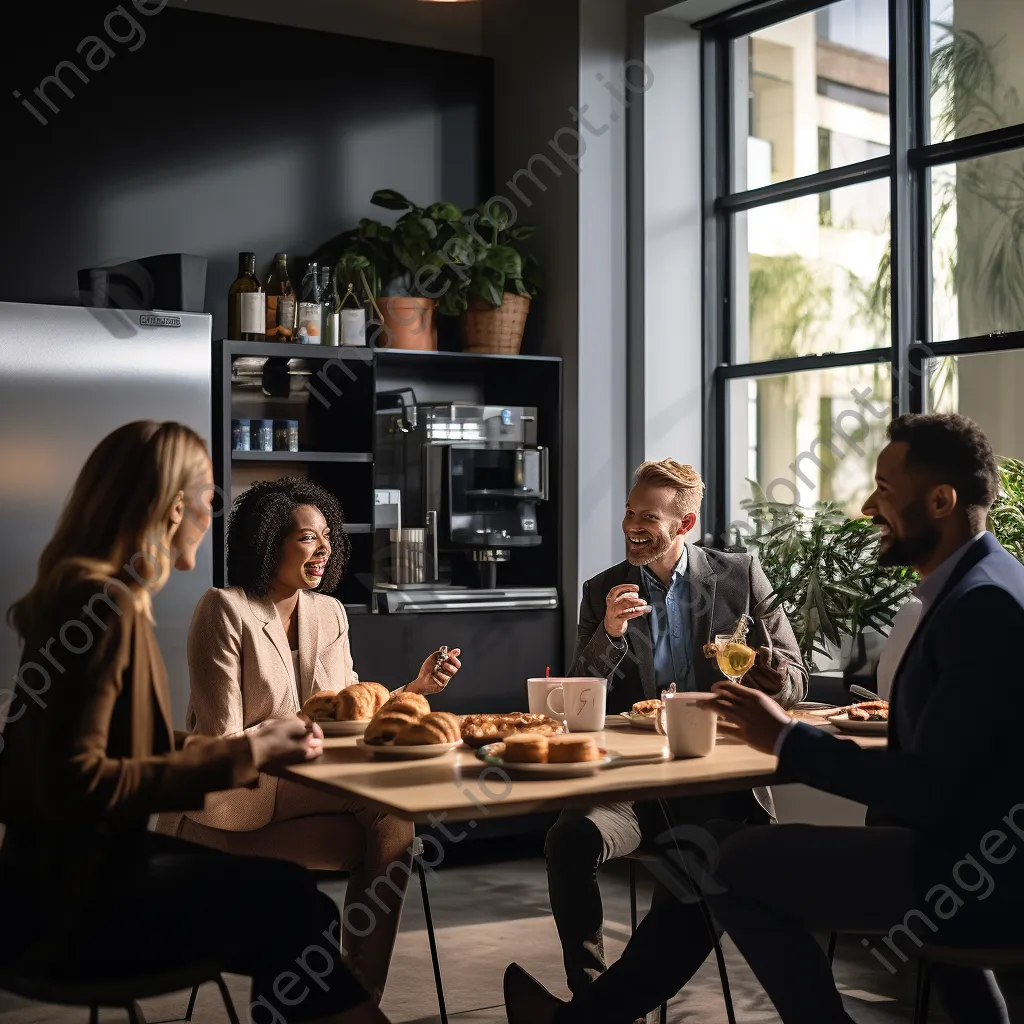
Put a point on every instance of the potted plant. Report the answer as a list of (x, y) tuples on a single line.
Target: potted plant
[(358, 287), (824, 568), (496, 282), (1006, 519)]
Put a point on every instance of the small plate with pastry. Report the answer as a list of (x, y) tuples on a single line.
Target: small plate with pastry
[(554, 757), (644, 714), (346, 712), (405, 729), (869, 718)]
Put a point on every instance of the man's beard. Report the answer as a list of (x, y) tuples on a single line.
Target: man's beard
[(648, 552), (914, 548)]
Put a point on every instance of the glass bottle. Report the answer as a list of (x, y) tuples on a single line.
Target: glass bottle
[(309, 319), (280, 298), (246, 319), (330, 307)]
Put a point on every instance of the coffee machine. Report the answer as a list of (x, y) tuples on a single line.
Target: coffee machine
[(472, 477)]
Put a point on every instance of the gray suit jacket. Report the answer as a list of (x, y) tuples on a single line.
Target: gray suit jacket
[(723, 586)]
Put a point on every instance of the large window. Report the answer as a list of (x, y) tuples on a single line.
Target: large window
[(866, 245)]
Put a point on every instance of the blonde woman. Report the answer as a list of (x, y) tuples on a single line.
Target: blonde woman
[(89, 754), (257, 650)]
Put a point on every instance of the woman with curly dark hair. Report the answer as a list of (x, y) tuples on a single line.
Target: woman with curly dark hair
[(257, 650)]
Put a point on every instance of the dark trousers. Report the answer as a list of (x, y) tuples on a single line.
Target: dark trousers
[(771, 889), (173, 903), (581, 841)]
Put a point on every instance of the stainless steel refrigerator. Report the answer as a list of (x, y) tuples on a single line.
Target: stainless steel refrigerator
[(68, 376)]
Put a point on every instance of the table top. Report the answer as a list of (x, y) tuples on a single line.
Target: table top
[(460, 787)]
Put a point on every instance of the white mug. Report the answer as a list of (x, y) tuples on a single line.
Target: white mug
[(537, 691), (689, 723), (583, 703)]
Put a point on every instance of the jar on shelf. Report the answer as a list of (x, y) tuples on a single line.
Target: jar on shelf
[(286, 435), (262, 435), (241, 436)]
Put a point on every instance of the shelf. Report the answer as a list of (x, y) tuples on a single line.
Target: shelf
[(290, 350), (354, 528), (301, 456), (413, 355)]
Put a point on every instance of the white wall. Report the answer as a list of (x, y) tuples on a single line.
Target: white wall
[(442, 26)]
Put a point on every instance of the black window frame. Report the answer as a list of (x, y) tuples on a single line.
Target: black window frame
[(907, 166)]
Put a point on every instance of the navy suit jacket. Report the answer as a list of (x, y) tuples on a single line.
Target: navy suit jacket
[(953, 768)]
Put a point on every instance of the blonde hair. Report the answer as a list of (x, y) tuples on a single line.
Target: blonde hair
[(117, 515), (684, 480)]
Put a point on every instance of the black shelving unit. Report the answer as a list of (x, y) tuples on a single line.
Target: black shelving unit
[(336, 408)]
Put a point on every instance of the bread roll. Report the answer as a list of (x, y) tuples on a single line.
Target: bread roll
[(322, 706), (572, 749), (381, 695), (447, 722), (386, 725), (356, 703), (421, 734), (415, 700), (526, 748)]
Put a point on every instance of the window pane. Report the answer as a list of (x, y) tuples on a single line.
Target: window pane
[(812, 275), (807, 437), (977, 258), (987, 387), (822, 76), (977, 66)]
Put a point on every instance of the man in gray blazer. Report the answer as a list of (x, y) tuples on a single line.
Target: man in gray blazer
[(643, 626)]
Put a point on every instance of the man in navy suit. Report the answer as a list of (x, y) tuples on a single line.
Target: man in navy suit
[(945, 796)]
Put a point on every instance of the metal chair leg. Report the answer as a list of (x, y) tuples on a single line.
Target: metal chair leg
[(433, 943), (924, 984), (190, 1009), (94, 1015), (632, 894), (723, 971), (135, 1014), (225, 995), (664, 1013), (832, 939)]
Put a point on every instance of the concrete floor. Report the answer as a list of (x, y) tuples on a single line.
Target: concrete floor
[(488, 912)]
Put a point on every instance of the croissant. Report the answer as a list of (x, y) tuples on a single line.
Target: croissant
[(447, 722), (322, 706), (355, 703), (415, 700), (421, 733), (386, 725), (381, 694)]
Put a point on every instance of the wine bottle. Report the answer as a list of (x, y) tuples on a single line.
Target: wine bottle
[(309, 320), (246, 320), (330, 307), (280, 296)]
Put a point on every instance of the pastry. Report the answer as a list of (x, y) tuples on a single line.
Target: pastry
[(322, 706), (526, 748), (480, 729), (447, 722), (386, 725), (356, 703), (416, 700), (572, 749), (421, 733), (647, 708), (381, 694)]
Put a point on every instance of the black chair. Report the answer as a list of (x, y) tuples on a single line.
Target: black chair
[(120, 993), (979, 959), (417, 854), (723, 971)]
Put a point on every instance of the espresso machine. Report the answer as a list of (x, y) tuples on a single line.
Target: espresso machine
[(471, 479)]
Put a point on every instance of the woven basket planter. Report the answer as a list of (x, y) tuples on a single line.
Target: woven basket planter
[(497, 331)]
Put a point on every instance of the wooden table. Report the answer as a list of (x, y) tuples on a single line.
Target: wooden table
[(459, 787)]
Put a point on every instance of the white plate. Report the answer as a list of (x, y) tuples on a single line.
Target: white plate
[(639, 721), (389, 752), (344, 728), (573, 770), (851, 725)]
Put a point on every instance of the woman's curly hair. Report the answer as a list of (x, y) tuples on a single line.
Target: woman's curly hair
[(261, 518)]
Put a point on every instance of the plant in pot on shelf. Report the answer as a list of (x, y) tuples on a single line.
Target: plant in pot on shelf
[(824, 570), (496, 282), (358, 288)]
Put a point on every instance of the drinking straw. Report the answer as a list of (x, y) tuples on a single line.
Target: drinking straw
[(547, 672)]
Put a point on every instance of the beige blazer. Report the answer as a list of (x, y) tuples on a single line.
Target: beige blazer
[(240, 673)]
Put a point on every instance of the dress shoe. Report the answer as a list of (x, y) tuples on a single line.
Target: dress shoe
[(527, 1001)]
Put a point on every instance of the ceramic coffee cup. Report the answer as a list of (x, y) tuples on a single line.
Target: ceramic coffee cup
[(537, 691), (689, 722), (580, 703)]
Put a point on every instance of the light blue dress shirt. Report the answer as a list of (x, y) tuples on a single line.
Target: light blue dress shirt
[(670, 628)]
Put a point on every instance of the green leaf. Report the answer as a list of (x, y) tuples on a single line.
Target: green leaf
[(447, 212), (523, 232), (505, 260), (389, 199)]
